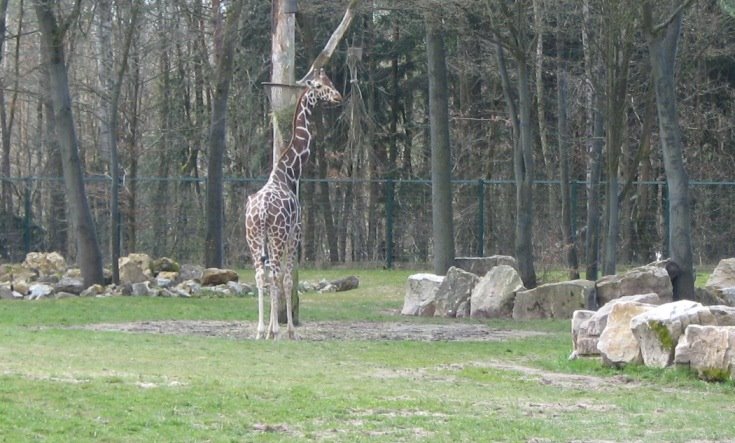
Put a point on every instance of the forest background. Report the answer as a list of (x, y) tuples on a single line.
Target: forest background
[(552, 121)]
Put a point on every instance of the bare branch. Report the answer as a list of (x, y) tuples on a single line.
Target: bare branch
[(659, 27), (66, 22), (323, 58)]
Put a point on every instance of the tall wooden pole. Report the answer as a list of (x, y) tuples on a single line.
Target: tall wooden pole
[(283, 102)]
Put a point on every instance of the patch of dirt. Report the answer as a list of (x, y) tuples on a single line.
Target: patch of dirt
[(326, 330), (568, 381)]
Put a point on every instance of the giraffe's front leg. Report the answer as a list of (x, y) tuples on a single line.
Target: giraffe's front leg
[(274, 294), (273, 328), (260, 282)]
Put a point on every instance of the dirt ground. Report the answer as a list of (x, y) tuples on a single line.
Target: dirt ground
[(319, 331), (359, 330)]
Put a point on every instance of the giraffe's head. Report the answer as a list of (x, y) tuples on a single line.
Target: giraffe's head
[(322, 89)]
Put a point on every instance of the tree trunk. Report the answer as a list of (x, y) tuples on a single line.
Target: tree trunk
[(441, 188), (662, 41), (523, 135), (6, 193), (283, 102), (57, 222), (325, 202), (594, 150), (132, 142), (283, 56), (570, 249), (213, 249), (617, 41), (111, 85), (543, 132), (523, 171), (52, 47)]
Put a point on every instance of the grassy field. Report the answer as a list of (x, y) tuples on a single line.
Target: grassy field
[(60, 382)]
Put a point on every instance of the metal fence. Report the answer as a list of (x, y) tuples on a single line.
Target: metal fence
[(377, 222)]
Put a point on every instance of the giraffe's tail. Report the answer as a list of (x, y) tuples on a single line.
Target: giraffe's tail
[(264, 233)]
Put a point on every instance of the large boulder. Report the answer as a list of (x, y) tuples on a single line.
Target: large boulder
[(708, 350), (658, 330), (617, 344), (721, 283), (134, 268), (164, 279), (217, 276), (142, 289), (587, 326), (93, 291), (190, 272), (6, 293), (482, 265), (164, 264), (453, 294), (582, 345), (494, 293), (45, 263), (420, 294), (552, 300), (641, 280), (343, 284), (72, 285)]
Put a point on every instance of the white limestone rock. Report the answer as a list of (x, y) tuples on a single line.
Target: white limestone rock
[(494, 294), (553, 300), (420, 294), (658, 330), (617, 344)]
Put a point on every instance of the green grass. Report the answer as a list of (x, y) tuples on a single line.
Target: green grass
[(63, 384)]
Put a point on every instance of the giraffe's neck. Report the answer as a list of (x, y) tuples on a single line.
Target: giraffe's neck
[(289, 166)]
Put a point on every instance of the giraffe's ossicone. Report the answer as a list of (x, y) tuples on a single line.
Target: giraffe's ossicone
[(273, 214)]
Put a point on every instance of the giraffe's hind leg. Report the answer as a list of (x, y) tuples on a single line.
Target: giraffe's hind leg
[(255, 236), (288, 279)]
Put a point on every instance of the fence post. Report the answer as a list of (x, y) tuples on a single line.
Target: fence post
[(27, 217), (480, 217), (389, 197), (573, 208), (667, 221)]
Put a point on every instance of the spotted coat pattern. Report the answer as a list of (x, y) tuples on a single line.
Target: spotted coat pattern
[(273, 214)]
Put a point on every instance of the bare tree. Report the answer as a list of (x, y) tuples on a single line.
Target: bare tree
[(52, 48), (214, 255), (111, 85), (662, 36), (595, 133), (618, 32), (7, 119), (512, 34), (441, 187), (565, 151)]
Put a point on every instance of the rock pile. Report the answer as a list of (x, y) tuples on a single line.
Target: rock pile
[(45, 275), (622, 319), (652, 330), (497, 291)]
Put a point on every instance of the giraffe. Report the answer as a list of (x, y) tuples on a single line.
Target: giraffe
[(273, 214)]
